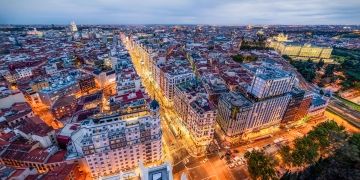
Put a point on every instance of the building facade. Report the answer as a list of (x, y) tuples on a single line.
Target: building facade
[(117, 142), (64, 107), (87, 83), (196, 112)]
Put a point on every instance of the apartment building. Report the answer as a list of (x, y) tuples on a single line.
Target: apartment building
[(127, 81), (23, 73), (112, 143), (170, 76), (196, 112), (201, 121)]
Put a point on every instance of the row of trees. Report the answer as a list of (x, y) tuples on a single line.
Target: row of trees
[(306, 68), (244, 58), (349, 64), (344, 164), (254, 45), (323, 138), (323, 141)]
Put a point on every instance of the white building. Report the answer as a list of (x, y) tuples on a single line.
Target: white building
[(73, 27), (196, 112), (127, 80), (269, 81), (169, 79), (114, 143), (51, 69), (267, 112), (25, 72), (201, 121), (35, 32)]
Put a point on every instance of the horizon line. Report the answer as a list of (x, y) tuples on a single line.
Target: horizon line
[(205, 24)]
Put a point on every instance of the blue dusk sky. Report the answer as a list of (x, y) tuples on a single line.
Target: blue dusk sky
[(219, 12)]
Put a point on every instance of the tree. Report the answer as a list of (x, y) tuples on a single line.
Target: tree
[(238, 58), (329, 70), (320, 64), (285, 152), (260, 165), (287, 57), (343, 164), (309, 74), (355, 140), (327, 133), (305, 151)]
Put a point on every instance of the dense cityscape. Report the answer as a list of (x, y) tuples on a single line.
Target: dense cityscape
[(163, 102)]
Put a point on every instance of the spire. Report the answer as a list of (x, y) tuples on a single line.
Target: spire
[(154, 105)]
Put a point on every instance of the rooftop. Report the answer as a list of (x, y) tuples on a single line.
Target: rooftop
[(266, 70), (236, 99), (64, 101)]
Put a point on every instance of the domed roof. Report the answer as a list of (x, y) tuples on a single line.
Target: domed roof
[(154, 104)]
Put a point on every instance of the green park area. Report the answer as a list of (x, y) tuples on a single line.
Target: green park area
[(347, 62), (326, 152)]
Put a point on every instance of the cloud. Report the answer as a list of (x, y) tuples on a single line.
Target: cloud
[(180, 11)]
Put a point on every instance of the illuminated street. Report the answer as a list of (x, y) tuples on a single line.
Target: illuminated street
[(180, 149), (45, 114)]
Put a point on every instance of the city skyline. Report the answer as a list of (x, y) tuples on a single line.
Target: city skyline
[(179, 89), (228, 12)]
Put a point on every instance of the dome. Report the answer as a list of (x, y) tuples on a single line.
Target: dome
[(154, 104)]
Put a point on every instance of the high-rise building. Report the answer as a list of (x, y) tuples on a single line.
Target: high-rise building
[(262, 105), (238, 114), (233, 113), (269, 81), (267, 112), (115, 142)]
